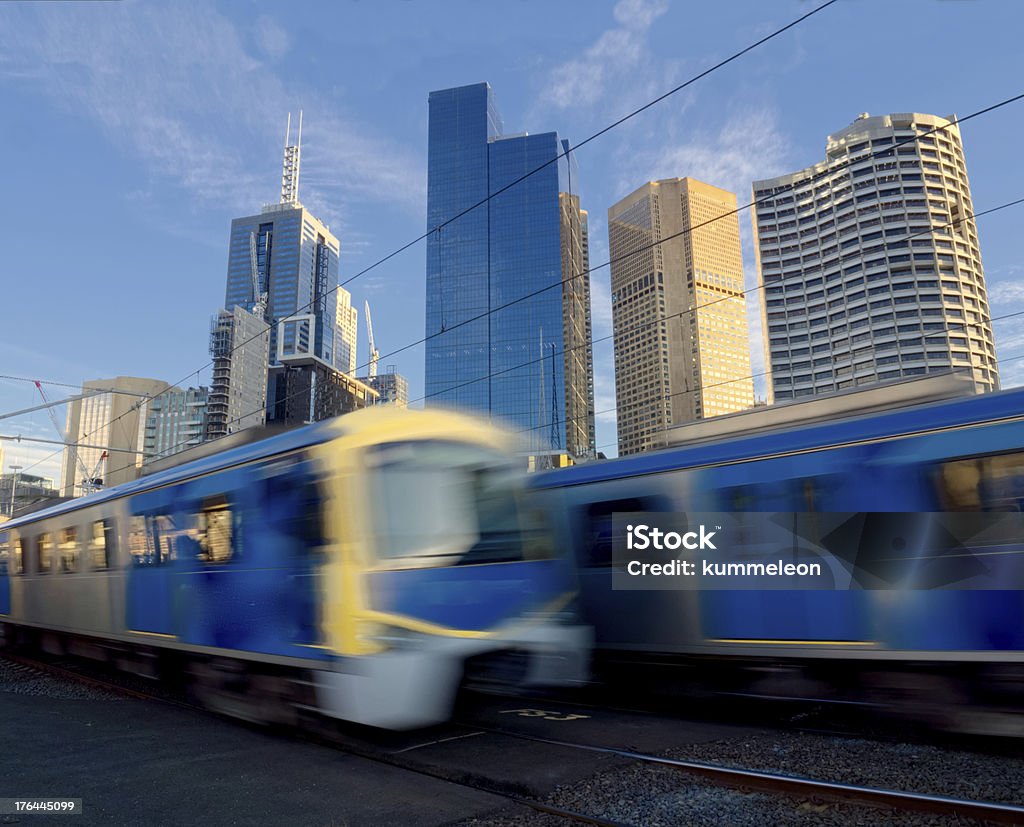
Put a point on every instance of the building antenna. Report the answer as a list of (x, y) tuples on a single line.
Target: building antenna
[(292, 156)]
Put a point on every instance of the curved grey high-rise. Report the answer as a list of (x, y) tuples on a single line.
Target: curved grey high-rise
[(870, 263)]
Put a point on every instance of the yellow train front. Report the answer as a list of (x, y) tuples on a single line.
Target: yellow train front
[(362, 567)]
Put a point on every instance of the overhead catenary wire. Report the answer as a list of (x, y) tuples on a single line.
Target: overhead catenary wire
[(688, 230), (743, 293), (1004, 360), (735, 56), (954, 328), (643, 325), (882, 152)]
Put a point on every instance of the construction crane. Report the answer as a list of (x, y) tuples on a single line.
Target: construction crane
[(374, 353), (90, 481), (259, 297)]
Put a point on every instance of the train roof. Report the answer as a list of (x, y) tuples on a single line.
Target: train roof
[(367, 419), (796, 437), (279, 444)]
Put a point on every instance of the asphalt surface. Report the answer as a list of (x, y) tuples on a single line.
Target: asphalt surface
[(135, 762)]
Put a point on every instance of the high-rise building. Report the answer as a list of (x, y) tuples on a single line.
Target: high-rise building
[(283, 267), (392, 388), (310, 391), (239, 345), (103, 433), (679, 318), (346, 323), (522, 361), (20, 493), (870, 262), (171, 422)]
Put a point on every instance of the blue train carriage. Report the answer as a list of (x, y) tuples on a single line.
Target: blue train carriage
[(875, 451), (361, 566)]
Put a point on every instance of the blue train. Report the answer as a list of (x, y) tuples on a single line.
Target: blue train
[(874, 451), (361, 567)]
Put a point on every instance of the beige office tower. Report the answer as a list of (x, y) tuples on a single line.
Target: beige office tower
[(103, 433), (346, 326), (580, 433), (682, 350), (870, 262)]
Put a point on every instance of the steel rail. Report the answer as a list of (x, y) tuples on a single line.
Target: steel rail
[(803, 787)]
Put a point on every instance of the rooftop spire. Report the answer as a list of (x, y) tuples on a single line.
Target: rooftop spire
[(292, 153)]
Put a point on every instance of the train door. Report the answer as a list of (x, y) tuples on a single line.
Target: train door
[(154, 527), (246, 577), (955, 597), (812, 483), (623, 618), (5, 583)]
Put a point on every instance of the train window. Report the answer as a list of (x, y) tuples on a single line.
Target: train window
[(5, 547), (992, 483), (102, 544), (597, 548), (153, 539), (442, 503), (69, 549), (19, 559), (214, 530), (138, 548), (44, 552)]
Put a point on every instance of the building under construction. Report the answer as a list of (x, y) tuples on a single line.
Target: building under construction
[(313, 390), (240, 346)]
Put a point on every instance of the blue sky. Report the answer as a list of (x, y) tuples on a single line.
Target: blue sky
[(134, 132)]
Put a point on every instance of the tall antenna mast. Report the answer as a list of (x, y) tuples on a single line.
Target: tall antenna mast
[(290, 173)]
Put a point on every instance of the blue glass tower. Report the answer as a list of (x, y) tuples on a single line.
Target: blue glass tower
[(529, 364)]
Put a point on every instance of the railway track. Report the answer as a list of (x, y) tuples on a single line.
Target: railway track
[(807, 788), (798, 788)]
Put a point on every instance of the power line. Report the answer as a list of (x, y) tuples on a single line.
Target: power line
[(954, 328), (645, 325), (587, 140), (610, 410), (688, 230), (743, 293)]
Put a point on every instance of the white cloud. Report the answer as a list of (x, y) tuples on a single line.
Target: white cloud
[(177, 87), (617, 53), (748, 146), (1006, 293), (271, 37)]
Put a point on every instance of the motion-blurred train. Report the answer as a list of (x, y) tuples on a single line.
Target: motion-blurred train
[(362, 567), (948, 649)]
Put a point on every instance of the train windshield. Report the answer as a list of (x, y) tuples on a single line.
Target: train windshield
[(448, 503)]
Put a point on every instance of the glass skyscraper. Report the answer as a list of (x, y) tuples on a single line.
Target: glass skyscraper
[(526, 363), (297, 265)]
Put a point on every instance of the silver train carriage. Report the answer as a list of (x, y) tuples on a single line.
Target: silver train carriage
[(362, 567)]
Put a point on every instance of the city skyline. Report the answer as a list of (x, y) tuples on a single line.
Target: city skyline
[(177, 196)]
